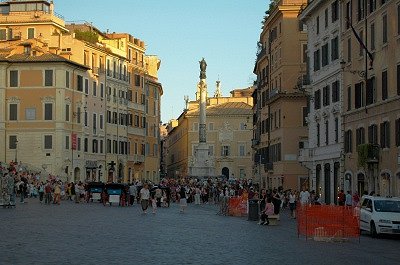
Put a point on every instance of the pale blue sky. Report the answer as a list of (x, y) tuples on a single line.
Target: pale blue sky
[(181, 32)]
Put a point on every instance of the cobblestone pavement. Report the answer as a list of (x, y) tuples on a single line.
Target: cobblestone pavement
[(96, 234)]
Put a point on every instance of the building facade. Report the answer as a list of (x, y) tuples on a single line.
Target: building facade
[(371, 98), (107, 119), (322, 152), (228, 131), (280, 111)]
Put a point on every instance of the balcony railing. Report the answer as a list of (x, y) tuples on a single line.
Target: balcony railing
[(137, 159), (306, 154)]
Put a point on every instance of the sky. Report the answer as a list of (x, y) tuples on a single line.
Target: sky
[(181, 33)]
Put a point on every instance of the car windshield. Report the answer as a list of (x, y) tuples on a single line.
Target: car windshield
[(387, 206)]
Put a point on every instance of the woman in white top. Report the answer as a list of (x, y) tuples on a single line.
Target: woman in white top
[(144, 197)]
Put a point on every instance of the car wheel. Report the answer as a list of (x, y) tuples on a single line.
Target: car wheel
[(372, 230)]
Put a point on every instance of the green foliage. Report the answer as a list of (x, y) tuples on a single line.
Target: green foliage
[(362, 151), (89, 36)]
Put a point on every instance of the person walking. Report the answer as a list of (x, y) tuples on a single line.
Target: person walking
[(144, 198), (41, 192), (349, 199), (292, 204), (57, 193), (47, 191), (268, 210), (132, 194), (182, 201), (304, 197)]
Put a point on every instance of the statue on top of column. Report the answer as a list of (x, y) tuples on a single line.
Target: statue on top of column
[(203, 66)]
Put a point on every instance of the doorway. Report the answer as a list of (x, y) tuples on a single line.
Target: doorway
[(225, 172)]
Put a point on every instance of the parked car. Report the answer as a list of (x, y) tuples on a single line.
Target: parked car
[(380, 215)]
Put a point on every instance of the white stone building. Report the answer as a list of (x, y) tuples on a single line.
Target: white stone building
[(322, 153)]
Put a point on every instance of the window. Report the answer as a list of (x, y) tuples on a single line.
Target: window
[(372, 32), (326, 17), (66, 112), (326, 95), (79, 83), (101, 122), (305, 114), (3, 34), (48, 142), (361, 48), (349, 50), (86, 119), (326, 132), (348, 19), (358, 95), (335, 91), (242, 150), (348, 145), (398, 79), (109, 146), (86, 86), (397, 132), (13, 78), (48, 77), (384, 29), (94, 88), (325, 57), (304, 52), (225, 150), (335, 10), (95, 146), (67, 79), (67, 142), (373, 134), (361, 10), (79, 144), (137, 80), (31, 33), (360, 136), (318, 134), (335, 48), (94, 122), (384, 85), (349, 98), (48, 111), (101, 90), (12, 142), (398, 19), (317, 99), (85, 145), (372, 5), (385, 134), (371, 91), (13, 113), (317, 61), (317, 24), (101, 147), (336, 130)]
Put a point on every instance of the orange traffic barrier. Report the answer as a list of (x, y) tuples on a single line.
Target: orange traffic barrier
[(237, 206), (327, 222)]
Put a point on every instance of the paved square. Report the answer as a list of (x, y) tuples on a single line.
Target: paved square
[(95, 234)]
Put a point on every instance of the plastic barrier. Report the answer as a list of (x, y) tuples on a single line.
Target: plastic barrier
[(237, 206), (327, 222)]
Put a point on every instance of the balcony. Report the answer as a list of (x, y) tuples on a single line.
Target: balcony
[(255, 142), (136, 106), (368, 154), (137, 159), (306, 154), (136, 131), (261, 54)]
